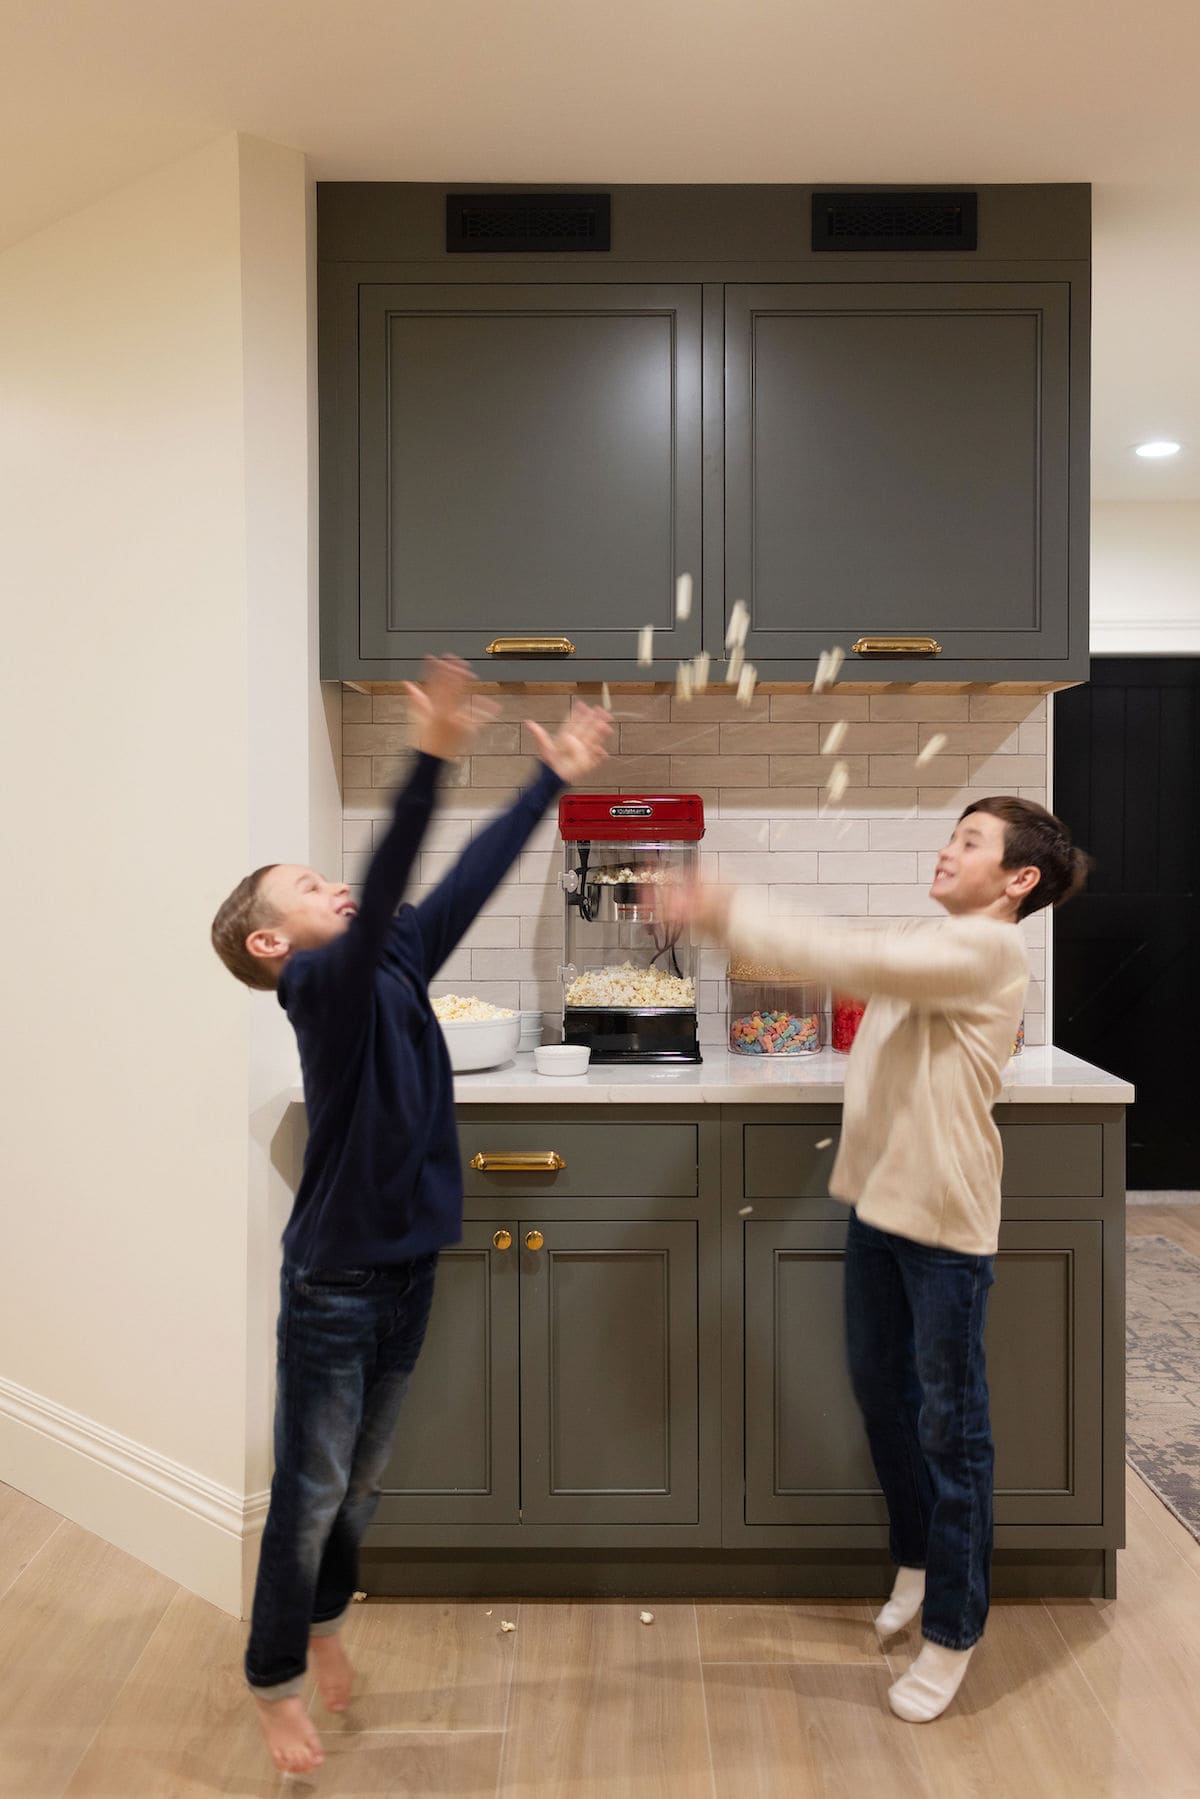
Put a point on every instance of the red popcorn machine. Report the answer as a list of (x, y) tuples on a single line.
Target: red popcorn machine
[(629, 979)]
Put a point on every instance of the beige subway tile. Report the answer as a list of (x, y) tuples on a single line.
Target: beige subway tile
[(436, 864), (810, 833), (356, 834), (719, 771), (738, 834), (819, 708), (1037, 794), (679, 739), (356, 707), (944, 707), (1004, 773), (540, 866), (876, 740), (908, 833), (515, 770), (356, 772), (874, 865), (1035, 1029), (364, 802), (721, 707), (711, 1031), (998, 738), (475, 803), (949, 802), (812, 901), (638, 707), (443, 834), (768, 802), (545, 997), (763, 870), (544, 835), (710, 996), (355, 866), (927, 867), (903, 902), (1031, 740), (392, 771), (493, 933), (388, 708), (630, 774), (499, 737), (1020, 707), (862, 801), (521, 898), (540, 930), (766, 734), (374, 740), (548, 709), (814, 771), (515, 964), (902, 771)]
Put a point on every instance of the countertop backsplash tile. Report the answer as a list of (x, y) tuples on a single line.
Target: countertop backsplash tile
[(760, 770)]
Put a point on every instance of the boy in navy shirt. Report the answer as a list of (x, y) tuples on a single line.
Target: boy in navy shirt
[(381, 1190)]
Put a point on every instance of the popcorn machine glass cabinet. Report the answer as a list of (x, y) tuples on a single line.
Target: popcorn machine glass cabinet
[(629, 978)]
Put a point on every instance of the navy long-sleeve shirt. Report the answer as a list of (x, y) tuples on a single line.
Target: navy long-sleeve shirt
[(382, 1181)]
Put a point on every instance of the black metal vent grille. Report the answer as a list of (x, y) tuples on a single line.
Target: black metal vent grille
[(499, 224), (892, 221)]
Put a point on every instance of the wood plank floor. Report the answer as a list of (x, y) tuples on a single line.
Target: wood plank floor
[(116, 1683)]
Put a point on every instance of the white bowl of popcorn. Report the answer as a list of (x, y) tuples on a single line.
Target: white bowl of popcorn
[(478, 1035)]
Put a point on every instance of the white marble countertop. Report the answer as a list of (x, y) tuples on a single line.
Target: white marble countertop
[(1039, 1076)]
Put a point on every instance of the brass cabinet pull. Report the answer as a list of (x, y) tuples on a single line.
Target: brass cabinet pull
[(897, 646), (531, 646), (516, 1161), (502, 1240), (534, 1239)]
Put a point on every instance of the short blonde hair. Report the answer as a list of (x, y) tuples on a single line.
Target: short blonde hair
[(244, 911)]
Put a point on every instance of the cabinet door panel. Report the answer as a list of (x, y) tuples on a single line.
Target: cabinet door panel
[(529, 464), (609, 1374), (454, 1456), (807, 1460), (897, 463)]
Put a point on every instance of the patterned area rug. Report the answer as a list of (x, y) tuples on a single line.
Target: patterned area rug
[(1163, 1392)]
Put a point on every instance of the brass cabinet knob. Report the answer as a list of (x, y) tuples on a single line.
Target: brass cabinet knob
[(534, 1239), (896, 646), (502, 1240), (530, 646)]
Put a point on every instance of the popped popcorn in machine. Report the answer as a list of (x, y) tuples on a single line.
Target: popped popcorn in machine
[(629, 979)]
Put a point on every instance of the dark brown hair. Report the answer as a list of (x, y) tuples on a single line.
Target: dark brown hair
[(245, 911), (1034, 838)]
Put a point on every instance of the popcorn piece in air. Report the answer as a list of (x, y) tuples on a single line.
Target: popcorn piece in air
[(828, 664), (747, 681), (646, 1617), (683, 681), (646, 646), (834, 737), (745, 1211), (733, 668), (824, 1142), (507, 1624), (738, 627), (700, 667), (683, 598), (934, 747), (605, 696), (839, 780)]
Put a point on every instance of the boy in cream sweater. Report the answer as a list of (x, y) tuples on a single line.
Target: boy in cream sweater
[(919, 1165)]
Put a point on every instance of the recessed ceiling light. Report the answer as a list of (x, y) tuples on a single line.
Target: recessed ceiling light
[(1156, 450)]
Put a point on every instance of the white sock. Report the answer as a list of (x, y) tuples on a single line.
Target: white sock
[(930, 1684), (908, 1595)]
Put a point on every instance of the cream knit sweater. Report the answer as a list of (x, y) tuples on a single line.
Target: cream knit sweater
[(920, 1153)]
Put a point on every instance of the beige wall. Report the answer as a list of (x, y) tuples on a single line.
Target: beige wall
[(161, 733), (1146, 578)]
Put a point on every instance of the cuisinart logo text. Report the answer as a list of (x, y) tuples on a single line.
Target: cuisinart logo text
[(631, 811)]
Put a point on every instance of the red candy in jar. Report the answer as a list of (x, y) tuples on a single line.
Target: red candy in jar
[(847, 1016)]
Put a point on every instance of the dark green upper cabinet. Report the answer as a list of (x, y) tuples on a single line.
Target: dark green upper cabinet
[(533, 444), (898, 465), (529, 465)]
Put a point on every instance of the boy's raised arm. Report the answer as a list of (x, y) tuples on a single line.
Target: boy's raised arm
[(445, 915)]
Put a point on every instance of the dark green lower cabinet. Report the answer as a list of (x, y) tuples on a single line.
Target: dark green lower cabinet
[(635, 1378), (807, 1460)]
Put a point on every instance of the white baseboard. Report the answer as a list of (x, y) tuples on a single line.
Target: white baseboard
[(180, 1522)]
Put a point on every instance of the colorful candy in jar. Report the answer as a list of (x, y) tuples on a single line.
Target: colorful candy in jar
[(1019, 1039), (775, 1033), (847, 1016)]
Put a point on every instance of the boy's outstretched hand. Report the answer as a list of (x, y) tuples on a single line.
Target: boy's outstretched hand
[(578, 747), (445, 718), (697, 905)]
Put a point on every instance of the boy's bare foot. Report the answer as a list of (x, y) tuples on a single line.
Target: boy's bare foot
[(291, 1735), (335, 1675)]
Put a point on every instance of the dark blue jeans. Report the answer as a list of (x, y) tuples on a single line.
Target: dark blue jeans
[(348, 1342), (914, 1333)]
